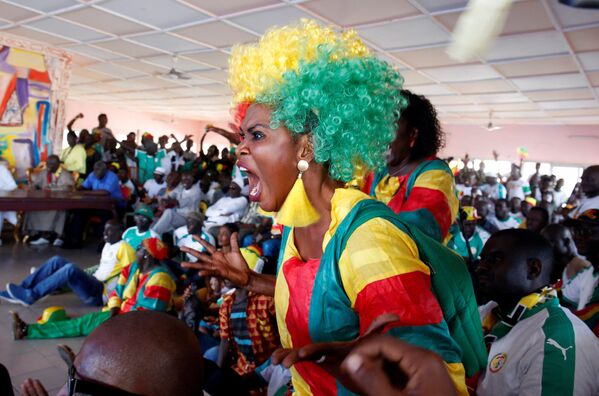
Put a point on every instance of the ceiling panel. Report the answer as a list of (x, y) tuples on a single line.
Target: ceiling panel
[(167, 42), (356, 12), (114, 70), (584, 39), (217, 34), (590, 60), (22, 31), (527, 45), (93, 52), (568, 104), (486, 86), (560, 64), (179, 63), (412, 78), (432, 89), (47, 5), (524, 16), (160, 13), (556, 81), (442, 5), (262, 20), (104, 21), (462, 73), (561, 94), (213, 58), (594, 78), (230, 6), (14, 13), (405, 33), (498, 98), (65, 29), (142, 67), (126, 48), (425, 57)]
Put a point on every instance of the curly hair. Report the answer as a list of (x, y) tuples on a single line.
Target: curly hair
[(325, 84), (421, 115)]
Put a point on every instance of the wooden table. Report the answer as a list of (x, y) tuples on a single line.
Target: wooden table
[(26, 200)]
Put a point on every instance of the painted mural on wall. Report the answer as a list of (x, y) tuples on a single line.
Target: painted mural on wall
[(32, 94)]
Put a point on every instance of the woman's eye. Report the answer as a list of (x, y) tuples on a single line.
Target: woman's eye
[(257, 135)]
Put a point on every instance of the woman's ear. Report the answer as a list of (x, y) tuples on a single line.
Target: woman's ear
[(305, 149)]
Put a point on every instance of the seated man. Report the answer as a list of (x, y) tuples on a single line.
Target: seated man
[(50, 222), (536, 345), (569, 266), (184, 235), (476, 236), (249, 336), (228, 209), (120, 356), (102, 179), (143, 219), (503, 220), (537, 219), (143, 285), (58, 272), (187, 199), (154, 186)]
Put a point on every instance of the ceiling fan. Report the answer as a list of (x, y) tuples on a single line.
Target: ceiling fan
[(173, 73), (490, 126)]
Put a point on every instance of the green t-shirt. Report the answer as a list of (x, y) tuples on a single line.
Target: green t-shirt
[(147, 164), (135, 238)]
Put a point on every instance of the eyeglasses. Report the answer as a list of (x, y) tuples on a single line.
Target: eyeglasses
[(83, 387)]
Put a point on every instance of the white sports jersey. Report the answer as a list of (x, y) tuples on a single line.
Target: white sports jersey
[(549, 351), (184, 239)]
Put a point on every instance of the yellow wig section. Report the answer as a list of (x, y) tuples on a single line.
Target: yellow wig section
[(253, 68)]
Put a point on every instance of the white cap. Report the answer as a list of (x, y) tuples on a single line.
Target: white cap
[(160, 170), (241, 180)]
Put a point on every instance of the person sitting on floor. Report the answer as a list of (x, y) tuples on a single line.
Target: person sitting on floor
[(48, 222), (91, 288), (187, 199), (143, 285), (536, 345), (572, 268), (143, 219)]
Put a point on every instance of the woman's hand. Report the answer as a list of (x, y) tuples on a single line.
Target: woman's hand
[(231, 266)]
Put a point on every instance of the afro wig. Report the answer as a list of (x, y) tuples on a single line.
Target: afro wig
[(323, 83)]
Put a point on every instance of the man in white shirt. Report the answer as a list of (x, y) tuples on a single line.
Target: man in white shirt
[(57, 272), (589, 185), (186, 199), (536, 347), (228, 209), (7, 183), (154, 186), (516, 186), (174, 158), (502, 219), (184, 235)]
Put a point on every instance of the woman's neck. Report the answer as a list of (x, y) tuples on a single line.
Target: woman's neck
[(404, 167)]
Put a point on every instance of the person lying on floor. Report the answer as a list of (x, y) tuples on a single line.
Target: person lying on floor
[(143, 285), (58, 272)]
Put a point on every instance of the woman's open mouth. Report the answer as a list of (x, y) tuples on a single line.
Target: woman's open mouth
[(255, 185)]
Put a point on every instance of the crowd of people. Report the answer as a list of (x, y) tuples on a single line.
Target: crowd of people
[(317, 255)]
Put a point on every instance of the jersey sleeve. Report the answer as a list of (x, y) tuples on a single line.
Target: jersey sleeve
[(116, 297)]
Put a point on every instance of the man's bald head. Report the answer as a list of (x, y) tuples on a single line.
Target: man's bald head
[(590, 181), (143, 352)]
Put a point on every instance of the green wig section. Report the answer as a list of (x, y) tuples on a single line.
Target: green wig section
[(350, 106)]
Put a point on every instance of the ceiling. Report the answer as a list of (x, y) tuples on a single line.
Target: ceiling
[(543, 69)]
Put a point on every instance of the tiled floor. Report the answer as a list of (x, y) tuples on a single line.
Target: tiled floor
[(37, 358)]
